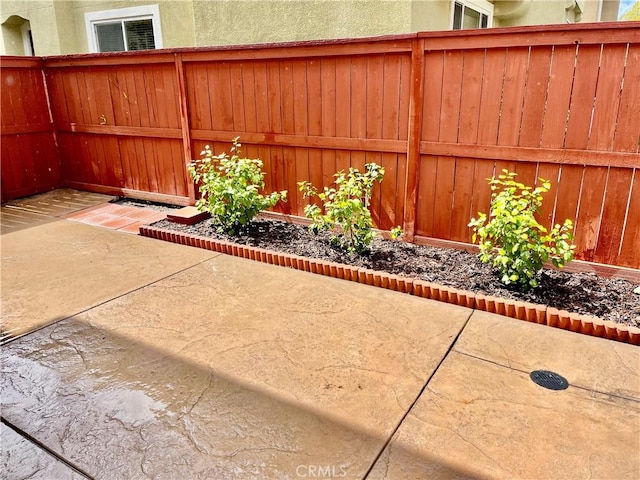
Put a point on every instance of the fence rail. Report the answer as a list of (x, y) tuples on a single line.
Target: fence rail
[(441, 111)]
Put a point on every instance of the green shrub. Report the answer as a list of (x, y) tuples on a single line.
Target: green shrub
[(512, 239), (346, 207), (230, 188)]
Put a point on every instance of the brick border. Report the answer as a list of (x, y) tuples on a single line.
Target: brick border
[(526, 311)]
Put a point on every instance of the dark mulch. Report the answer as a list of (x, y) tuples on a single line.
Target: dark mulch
[(585, 293), (131, 202)]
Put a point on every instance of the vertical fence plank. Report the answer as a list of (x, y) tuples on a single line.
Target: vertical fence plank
[(582, 95), (613, 214), (535, 96), (515, 71), (187, 155), (343, 108), (569, 188), (558, 96), (451, 96), (607, 102), (550, 172), (627, 136), (461, 211), (588, 220), (415, 133), (358, 85), (373, 118), (629, 248), (492, 81), (237, 98), (328, 120), (471, 96)]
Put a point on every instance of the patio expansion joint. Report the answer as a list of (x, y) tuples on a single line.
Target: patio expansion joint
[(526, 372), (67, 463), (422, 390), (12, 339)]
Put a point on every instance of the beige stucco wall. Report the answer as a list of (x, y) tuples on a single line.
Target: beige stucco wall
[(543, 12), (430, 15), (176, 19), (42, 18), (260, 21), (58, 26)]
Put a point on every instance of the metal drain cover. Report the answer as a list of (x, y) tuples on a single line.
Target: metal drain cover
[(550, 380)]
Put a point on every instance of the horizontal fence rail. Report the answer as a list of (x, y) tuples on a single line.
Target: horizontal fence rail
[(441, 111)]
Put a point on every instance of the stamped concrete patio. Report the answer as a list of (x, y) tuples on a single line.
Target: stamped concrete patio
[(132, 358)]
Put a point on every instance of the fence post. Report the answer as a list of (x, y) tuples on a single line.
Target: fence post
[(184, 123), (414, 136)]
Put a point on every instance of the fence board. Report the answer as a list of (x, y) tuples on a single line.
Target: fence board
[(451, 96), (627, 136), (461, 211), (551, 172), (473, 68), (426, 196), (513, 95), (558, 96), (607, 101), (591, 198), (433, 71), (491, 100), (629, 247), (582, 96), (30, 162), (535, 94), (443, 200), (613, 214)]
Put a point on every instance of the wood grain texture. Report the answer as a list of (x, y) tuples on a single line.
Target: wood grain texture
[(441, 111)]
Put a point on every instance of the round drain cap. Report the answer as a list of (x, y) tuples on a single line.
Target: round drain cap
[(550, 380)]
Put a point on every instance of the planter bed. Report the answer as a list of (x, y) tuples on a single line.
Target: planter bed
[(579, 302)]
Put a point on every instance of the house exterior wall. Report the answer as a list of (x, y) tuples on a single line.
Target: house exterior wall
[(228, 23), (58, 26), (41, 14), (545, 12)]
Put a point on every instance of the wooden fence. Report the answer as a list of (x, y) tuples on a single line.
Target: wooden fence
[(440, 111), (29, 159)]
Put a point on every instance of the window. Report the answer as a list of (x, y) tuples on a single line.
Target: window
[(471, 14), (27, 38), (124, 29)]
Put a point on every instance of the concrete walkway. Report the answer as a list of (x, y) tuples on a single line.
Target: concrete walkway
[(136, 358)]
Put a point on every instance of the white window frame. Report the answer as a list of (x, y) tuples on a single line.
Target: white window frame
[(481, 6), (145, 12), (25, 29)]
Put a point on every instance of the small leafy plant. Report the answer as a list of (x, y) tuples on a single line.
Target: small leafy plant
[(346, 207), (230, 187), (512, 239)]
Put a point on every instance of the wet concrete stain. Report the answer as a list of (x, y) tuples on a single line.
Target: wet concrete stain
[(123, 411)]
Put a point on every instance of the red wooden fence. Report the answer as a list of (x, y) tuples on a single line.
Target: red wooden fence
[(29, 159), (441, 111)]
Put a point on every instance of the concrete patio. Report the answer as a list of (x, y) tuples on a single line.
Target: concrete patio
[(133, 358)]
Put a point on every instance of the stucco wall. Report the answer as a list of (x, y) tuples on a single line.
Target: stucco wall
[(430, 15), (42, 17), (58, 27), (259, 21), (176, 19), (544, 12)]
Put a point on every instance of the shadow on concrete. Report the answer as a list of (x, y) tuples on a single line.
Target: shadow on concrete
[(113, 408)]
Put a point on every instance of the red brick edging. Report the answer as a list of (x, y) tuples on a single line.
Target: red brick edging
[(511, 308)]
